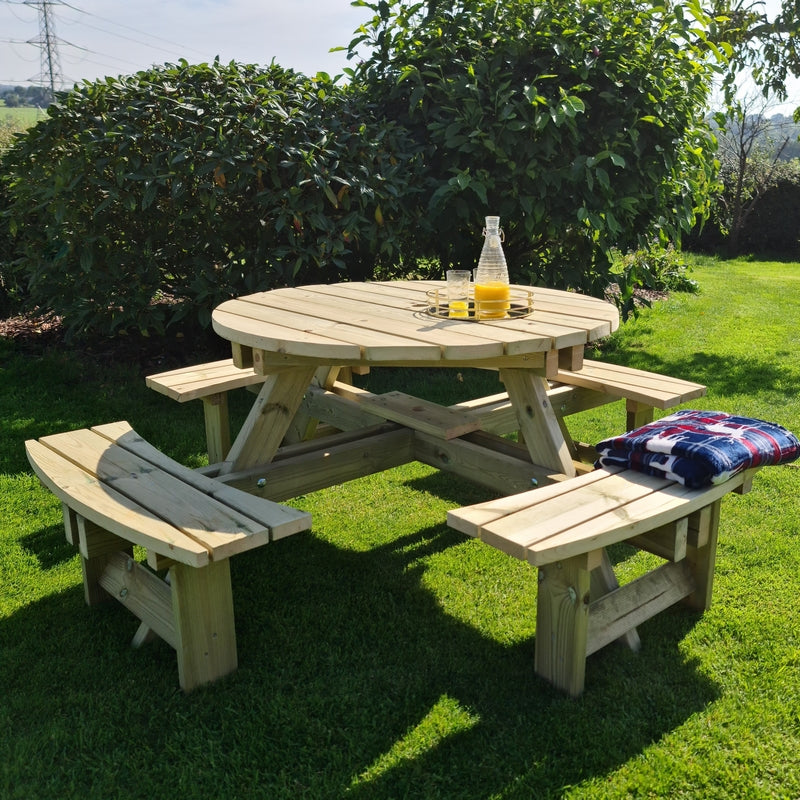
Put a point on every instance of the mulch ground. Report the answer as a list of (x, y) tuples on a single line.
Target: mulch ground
[(37, 335)]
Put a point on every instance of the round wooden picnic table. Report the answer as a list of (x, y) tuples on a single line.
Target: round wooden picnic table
[(296, 335), (387, 324)]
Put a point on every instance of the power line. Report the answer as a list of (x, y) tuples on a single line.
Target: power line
[(48, 42), (122, 36), (126, 27)]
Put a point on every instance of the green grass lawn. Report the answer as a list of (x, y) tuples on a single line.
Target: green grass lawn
[(20, 117), (384, 655)]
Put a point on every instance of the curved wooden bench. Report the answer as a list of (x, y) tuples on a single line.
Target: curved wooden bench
[(210, 383), (642, 391), (117, 490), (563, 529)]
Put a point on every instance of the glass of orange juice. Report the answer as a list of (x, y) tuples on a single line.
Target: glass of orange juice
[(458, 293), (491, 300)]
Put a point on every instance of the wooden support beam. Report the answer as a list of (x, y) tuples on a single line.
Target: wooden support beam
[(242, 355), (631, 605), (304, 424), (320, 463), (568, 400), (269, 419), (202, 603), (70, 524), (699, 527), (604, 581), (342, 413), (96, 546), (422, 415), (669, 541), (571, 358), (538, 423), (504, 469), (702, 559), (95, 541), (638, 414), (141, 592)]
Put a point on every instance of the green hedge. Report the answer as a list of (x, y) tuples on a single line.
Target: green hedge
[(771, 228), (579, 123), (144, 199)]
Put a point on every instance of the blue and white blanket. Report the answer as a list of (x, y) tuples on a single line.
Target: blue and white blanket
[(696, 448)]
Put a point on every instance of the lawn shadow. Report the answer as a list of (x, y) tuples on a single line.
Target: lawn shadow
[(353, 681), (49, 546), (391, 674)]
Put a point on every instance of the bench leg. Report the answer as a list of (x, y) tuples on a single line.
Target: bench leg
[(562, 620), (95, 545), (701, 554), (202, 603), (218, 426), (638, 414)]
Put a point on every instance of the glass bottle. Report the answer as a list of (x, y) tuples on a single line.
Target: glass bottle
[(491, 276)]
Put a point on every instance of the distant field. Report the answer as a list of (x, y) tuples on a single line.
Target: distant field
[(20, 117)]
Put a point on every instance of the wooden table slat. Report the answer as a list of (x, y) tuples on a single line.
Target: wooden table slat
[(455, 343), (278, 338), (536, 333), (377, 337)]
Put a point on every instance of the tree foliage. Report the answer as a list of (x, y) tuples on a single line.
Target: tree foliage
[(579, 123), (16, 96), (764, 45)]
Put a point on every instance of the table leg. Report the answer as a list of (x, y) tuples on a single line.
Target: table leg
[(538, 422), (268, 420), (303, 425)]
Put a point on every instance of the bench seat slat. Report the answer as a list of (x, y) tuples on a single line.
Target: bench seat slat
[(659, 508), (202, 380), (585, 513), (651, 388), (612, 494), (94, 500), (471, 519), (221, 529), (281, 520)]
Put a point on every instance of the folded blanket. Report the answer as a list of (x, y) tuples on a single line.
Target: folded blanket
[(700, 447)]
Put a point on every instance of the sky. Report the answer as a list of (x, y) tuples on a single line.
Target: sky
[(96, 38)]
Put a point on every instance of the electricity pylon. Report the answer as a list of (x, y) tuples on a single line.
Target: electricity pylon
[(50, 74)]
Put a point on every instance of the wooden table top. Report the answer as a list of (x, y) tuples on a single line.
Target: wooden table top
[(387, 323)]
